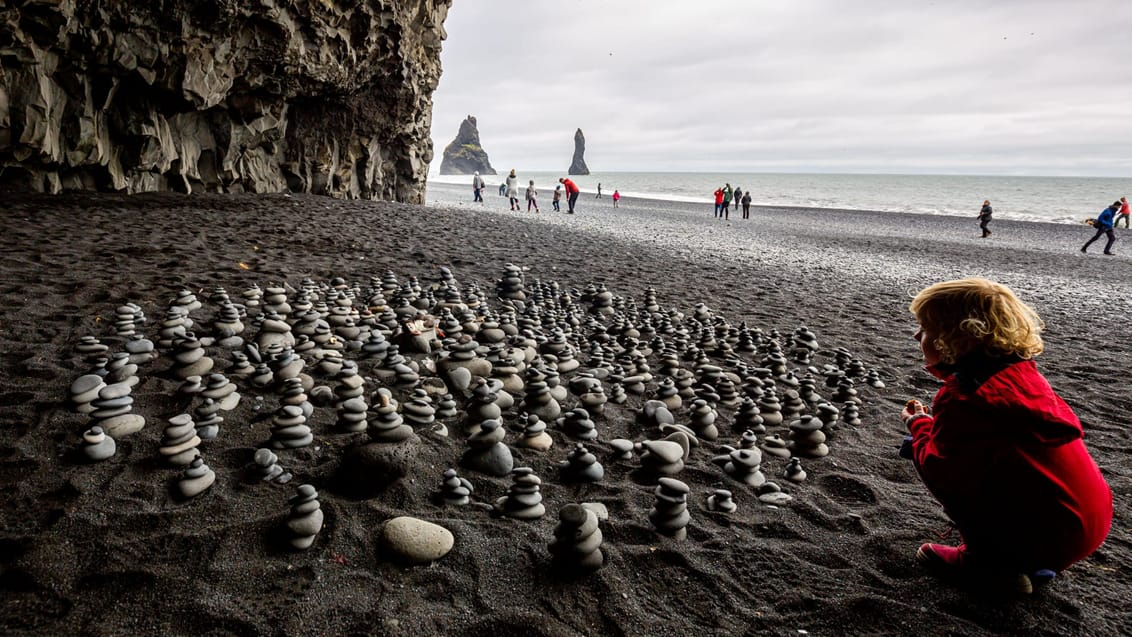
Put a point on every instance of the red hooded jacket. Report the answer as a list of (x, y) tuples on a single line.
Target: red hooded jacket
[(1008, 462)]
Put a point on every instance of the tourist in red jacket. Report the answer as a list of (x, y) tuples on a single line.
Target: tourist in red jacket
[(571, 193), (1001, 451)]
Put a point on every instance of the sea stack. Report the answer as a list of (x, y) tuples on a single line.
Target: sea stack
[(465, 155), (578, 164)]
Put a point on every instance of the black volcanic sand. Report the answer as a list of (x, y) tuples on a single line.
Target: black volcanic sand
[(105, 550)]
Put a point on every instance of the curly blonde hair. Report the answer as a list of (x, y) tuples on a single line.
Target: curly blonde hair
[(978, 315)]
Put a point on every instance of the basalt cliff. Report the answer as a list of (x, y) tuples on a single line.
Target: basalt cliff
[(310, 96)]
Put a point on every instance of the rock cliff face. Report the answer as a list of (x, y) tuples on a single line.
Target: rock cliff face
[(310, 96), (578, 165), (465, 155)]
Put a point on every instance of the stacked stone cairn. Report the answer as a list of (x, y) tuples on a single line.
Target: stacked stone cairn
[(454, 490), (720, 500), (305, 519), (669, 515), (807, 438), (523, 500), (179, 441), (265, 465), (96, 445), (350, 404), (486, 452), (577, 540), (289, 428), (196, 479), (385, 423), (581, 466)]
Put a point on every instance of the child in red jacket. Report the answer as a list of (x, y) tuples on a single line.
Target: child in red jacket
[(1000, 451)]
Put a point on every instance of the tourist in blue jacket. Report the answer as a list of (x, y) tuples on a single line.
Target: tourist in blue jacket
[(1103, 224)]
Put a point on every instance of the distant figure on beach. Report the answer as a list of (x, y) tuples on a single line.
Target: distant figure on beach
[(502, 188), (1123, 214), (1000, 450), (557, 198), (616, 197), (477, 187), (571, 193), (985, 217), (746, 205), (532, 196), (718, 202), (599, 190), (513, 190), (727, 194), (1104, 223), (737, 197)]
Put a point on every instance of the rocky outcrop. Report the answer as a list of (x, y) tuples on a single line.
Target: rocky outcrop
[(578, 165), (465, 155), (310, 96)]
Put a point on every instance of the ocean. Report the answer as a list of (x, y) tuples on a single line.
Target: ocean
[(1051, 199)]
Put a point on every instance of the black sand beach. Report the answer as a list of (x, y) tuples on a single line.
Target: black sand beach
[(105, 549)]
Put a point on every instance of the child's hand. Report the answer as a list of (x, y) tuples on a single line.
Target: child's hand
[(913, 408)]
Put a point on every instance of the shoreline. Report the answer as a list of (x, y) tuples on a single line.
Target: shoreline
[(104, 549)]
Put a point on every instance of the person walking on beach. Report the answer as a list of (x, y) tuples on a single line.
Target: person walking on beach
[(557, 197), (1123, 214), (477, 187), (599, 190), (985, 217), (727, 194), (616, 197), (1103, 223), (571, 193), (513, 190), (746, 205), (718, 202), (1002, 453), (532, 196), (502, 189), (738, 197)]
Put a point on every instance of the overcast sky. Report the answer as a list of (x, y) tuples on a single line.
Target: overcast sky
[(1041, 87)]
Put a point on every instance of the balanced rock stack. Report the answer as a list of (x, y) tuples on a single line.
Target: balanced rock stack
[(85, 390), (577, 540), (140, 349), (385, 424), (418, 412), (721, 500), (222, 390), (350, 406), (128, 318), (794, 471), (189, 357), (119, 369), (486, 452), (179, 441), (196, 479), (538, 399), (512, 285), (305, 519), (96, 445), (534, 433), (112, 411), (578, 425), (267, 469), (523, 500), (207, 419), (455, 490), (663, 457), (703, 417), (581, 466), (807, 438), (227, 326), (743, 465), (669, 515), (289, 428)]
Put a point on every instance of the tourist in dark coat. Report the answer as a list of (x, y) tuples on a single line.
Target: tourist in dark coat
[(985, 217), (1103, 223)]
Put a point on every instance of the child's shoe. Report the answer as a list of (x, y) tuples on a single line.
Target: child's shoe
[(953, 563)]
